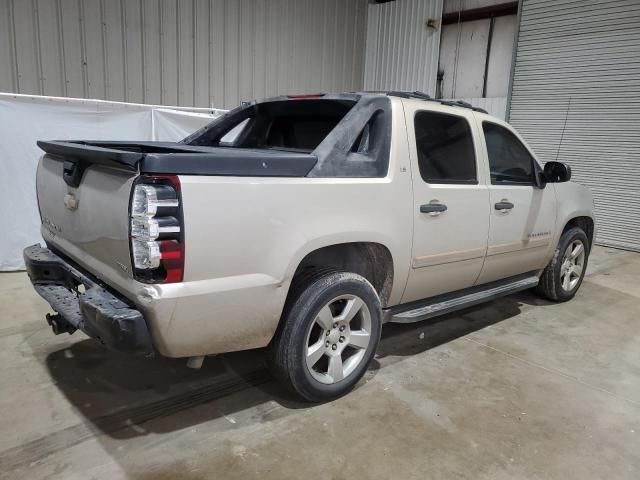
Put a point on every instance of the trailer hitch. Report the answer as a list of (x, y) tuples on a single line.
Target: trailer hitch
[(59, 325)]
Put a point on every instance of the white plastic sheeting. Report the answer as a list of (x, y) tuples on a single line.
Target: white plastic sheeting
[(25, 119)]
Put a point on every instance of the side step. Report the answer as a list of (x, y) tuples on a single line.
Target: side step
[(442, 304)]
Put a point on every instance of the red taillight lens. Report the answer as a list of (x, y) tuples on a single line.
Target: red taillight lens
[(305, 96), (172, 259), (156, 230)]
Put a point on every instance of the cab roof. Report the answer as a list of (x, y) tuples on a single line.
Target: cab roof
[(390, 93), (424, 96)]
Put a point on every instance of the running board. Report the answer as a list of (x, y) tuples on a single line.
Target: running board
[(443, 304)]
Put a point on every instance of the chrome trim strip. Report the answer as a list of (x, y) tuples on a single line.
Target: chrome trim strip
[(169, 229)]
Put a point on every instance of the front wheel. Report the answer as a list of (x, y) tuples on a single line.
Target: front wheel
[(328, 334), (563, 276)]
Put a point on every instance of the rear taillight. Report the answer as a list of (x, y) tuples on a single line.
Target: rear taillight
[(156, 230)]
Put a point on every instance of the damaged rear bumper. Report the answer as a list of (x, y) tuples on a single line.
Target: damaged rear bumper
[(96, 311)]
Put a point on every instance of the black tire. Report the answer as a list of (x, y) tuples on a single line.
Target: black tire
[(550, 286), (310, 293)]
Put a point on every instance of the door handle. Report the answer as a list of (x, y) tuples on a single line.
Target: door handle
[(503, 205), (433, 208)]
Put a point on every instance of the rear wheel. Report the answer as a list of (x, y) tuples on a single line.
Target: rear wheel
[(328, 335), (563, 276)]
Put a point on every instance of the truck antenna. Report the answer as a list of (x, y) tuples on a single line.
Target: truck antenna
[(566, 116)]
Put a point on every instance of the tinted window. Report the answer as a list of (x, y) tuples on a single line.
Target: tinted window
[(302, 133), (299, 125), (509, 160), (445, 148)]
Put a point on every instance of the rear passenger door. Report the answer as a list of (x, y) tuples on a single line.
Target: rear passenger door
[(522, 214), (451, 200)]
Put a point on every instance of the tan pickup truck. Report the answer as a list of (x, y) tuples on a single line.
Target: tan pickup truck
[(302, 223)]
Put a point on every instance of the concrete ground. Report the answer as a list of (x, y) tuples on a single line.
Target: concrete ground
[(518, 388)]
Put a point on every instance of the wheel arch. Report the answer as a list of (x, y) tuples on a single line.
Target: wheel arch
[(584, 222), (372, 260)]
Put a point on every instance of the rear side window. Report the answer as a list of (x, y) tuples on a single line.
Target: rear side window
[(510, 162), (445, 148)]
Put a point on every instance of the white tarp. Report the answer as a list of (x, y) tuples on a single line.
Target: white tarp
[(25, 119)]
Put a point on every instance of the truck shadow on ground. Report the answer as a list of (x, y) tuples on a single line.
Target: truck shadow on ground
[(123, 396)]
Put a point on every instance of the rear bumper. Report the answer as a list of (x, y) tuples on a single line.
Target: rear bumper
[(96, 311)]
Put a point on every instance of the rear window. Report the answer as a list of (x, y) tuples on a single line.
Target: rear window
[(445, 148), (296, 125), (299, 132)]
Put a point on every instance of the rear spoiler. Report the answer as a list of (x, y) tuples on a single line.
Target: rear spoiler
[(74, 150), (177, 159)]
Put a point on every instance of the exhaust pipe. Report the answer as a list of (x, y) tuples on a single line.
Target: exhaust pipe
[(195, 362)]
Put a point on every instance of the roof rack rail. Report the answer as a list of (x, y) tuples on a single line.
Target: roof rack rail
[(423, 96), (402, 94), (460, 103)]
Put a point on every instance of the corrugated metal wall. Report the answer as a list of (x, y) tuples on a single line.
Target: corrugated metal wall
[(401, 51), (589, 52), (188, 52), (463, 57)]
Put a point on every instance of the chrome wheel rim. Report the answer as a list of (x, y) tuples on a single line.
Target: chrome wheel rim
[(338, 338), (572, 265)]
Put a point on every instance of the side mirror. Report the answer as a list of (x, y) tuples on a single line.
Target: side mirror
[(557, 172)]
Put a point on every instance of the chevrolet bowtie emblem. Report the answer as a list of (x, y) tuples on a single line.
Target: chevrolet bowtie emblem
[(70, 201)]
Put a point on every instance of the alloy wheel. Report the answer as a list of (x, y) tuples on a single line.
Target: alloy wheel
[(572, 265), (338, 339)]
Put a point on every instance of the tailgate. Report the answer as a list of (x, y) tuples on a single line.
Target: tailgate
[(87, 219), (84, 194)]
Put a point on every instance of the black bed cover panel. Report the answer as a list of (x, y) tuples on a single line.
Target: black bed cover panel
[(180, 159)]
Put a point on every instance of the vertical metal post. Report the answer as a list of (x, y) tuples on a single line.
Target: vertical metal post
[(486, 61), (514, 55)]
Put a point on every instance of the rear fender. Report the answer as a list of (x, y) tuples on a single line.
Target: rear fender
[(400, 272)]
